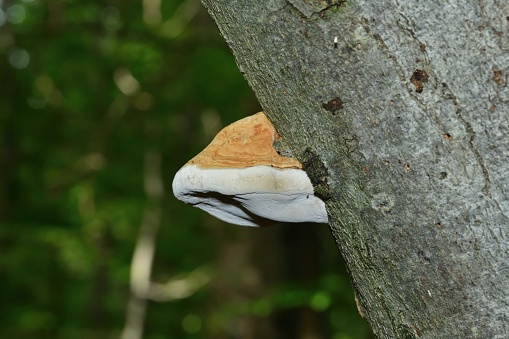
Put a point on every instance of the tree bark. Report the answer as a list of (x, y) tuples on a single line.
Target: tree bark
[(402, 109)]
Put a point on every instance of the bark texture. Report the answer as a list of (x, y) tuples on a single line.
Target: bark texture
[(400, 109)]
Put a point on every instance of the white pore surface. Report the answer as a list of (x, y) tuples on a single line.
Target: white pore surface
[(254, 196)]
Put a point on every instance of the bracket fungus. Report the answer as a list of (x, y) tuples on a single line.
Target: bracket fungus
[(241, 179)]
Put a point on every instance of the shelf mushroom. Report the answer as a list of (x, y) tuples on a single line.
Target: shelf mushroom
[(241, 179)]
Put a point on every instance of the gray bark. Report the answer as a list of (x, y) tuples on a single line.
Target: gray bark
[(409, 114)]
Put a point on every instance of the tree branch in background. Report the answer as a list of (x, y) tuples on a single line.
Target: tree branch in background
[(143, 256)]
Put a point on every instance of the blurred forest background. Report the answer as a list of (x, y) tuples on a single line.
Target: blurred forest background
[(101, 102)]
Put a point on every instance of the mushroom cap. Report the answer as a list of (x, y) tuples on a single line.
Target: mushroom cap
[(245, 143), (241, 179)]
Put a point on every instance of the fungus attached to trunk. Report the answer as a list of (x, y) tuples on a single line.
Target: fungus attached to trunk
[(241, 179)]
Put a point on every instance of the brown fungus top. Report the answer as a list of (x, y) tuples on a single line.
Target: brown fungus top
[(245, 143)]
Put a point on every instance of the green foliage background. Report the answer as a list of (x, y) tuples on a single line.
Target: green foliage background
[(87, 89)]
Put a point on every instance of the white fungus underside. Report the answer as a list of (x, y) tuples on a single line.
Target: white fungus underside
[(253, 196)]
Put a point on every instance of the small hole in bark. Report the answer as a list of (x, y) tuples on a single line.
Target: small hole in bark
[(407, 167), (498, 77), (442, 175), (447, 137), (333, 105), (438, 225), (418, 78), (423, 255)]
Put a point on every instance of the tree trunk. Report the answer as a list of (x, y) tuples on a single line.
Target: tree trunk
[(406, 106)]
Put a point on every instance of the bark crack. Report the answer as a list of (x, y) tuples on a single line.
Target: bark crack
[(408, 26), (471, 133), (468, 126), (307, 8), (381, 43)]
